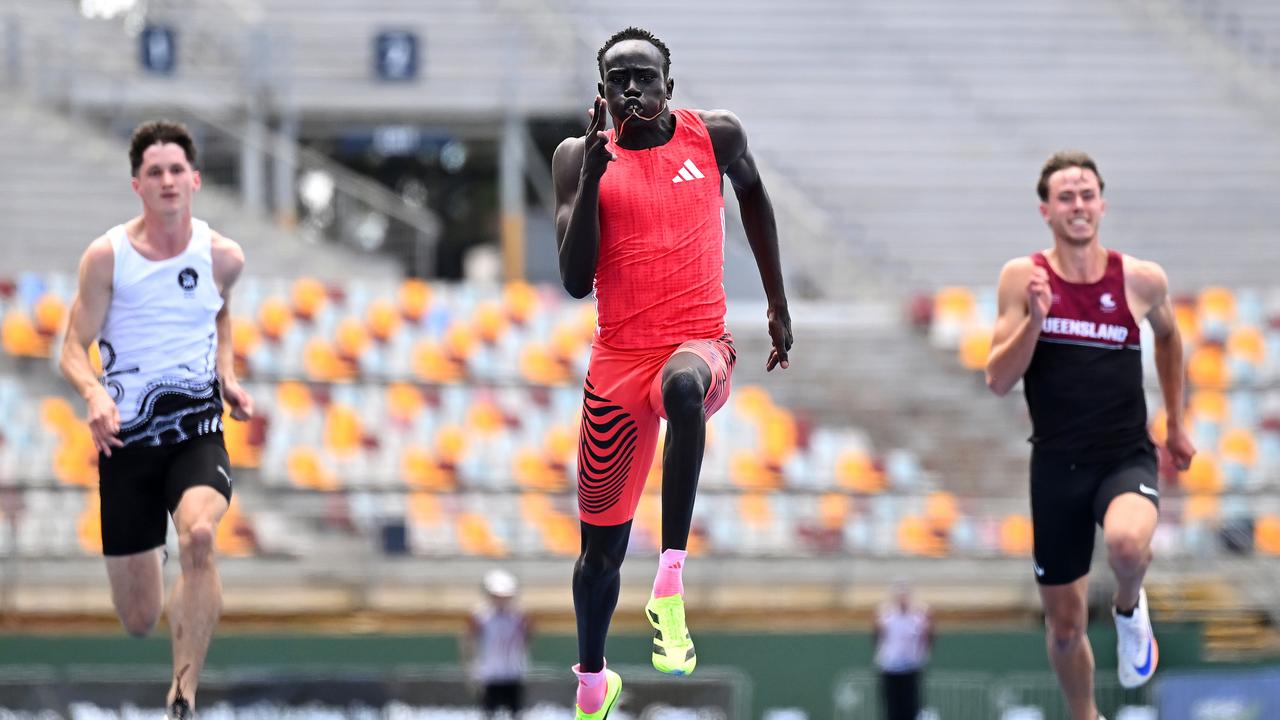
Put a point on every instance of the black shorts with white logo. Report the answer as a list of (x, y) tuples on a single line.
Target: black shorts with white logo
[(140, 486), (1070, 497)]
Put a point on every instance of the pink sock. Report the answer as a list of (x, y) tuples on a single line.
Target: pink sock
[(591, 689), (668, 581)]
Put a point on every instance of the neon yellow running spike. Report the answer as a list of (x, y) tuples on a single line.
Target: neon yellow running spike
[(672, 647), (613, 688)]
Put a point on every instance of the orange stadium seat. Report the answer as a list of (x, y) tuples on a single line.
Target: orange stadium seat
[(954, 304), (533, 472), (309, 297), (1247, 343), (1210, 405), (567, 341), (476, 537), (245, 338), (916, 537), (89, 526), (1238, 445), (941, 511), (237, 435), (235, 534), (856, 472), (351, 339), (954, 310), (50, 312), (748, 470), (561, 534), (382, 319), (294, 399), (343, 432), (1015, 535), (18, 336), (1207, 368), (560, 443), (95, 359), (1217, 304), (489, 321), (778, 438), (975, 346), (321, 362), (404, 403), (753, 402), (1158, 427), (422, 471), (425, 508), (653, 481), (58, 415), (414, 298), (833, 509), (451, 444), (75, 459), (432, 364), (755, 511), (274, 318), (485, 417), (1266, 535), (307, 470), (460, 341), (1201, 509), (1184, 314), (540, 367), (586, 320), (1204, 475), (521, 300)]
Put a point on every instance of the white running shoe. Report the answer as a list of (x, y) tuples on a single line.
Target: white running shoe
[(1137, 653)]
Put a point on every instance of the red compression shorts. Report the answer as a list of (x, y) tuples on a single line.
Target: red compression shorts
[(622, 403)]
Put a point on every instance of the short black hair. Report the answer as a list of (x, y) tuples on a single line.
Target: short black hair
[(160, 132), (635, 33)]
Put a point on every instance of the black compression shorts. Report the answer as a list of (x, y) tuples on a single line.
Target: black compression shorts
[(1070, 497), (140, 486)]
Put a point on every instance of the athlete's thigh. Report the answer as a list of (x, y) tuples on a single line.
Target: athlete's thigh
[(713, 360), (198, 483), (132, 500), (137, 583), (618, 435), (1061, 518), (1066, 604), (1129, 494)]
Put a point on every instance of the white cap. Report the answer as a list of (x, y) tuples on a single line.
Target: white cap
[(500, 583)]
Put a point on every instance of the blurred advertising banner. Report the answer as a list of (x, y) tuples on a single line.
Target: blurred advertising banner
[(1234, 695), (134, 694)]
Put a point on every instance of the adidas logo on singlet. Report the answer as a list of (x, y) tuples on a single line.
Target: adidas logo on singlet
[(688, 171)]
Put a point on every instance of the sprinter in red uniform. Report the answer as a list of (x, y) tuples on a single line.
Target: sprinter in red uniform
[(640, 220), (1068, 328)]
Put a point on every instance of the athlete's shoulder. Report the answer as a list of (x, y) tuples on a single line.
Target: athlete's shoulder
[(225, 250), (723, 126), (1018, 266), (728, 138), (1145, 278), (99, 256), (227, 257), (566, 161), (568, 148), (719, 119)]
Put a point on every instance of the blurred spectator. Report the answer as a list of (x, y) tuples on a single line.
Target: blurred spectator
[(496, 646), (903, 636)]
